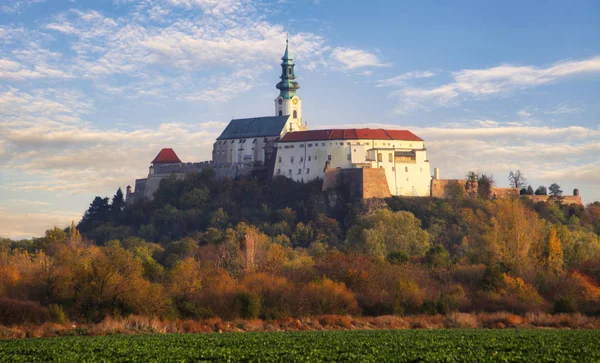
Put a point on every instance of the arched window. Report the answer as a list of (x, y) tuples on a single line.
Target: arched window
[(280, 113), (295, 114)]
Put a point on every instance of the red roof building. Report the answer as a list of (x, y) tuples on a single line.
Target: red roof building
[(350, 134), (166, 156)]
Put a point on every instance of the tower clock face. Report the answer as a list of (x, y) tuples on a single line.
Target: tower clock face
[(280, 101), (295, 101)]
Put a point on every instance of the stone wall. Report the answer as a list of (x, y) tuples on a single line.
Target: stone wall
[(363, 183), (569, 199), (505, 192), (440, 188)]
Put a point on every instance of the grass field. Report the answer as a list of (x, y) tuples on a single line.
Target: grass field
[(398, 345)]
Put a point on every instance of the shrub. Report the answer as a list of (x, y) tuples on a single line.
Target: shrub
[(565, 305), (57, 314), (20, 312), (250, 305), (330, 297)]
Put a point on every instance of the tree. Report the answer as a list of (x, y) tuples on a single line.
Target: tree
[(555, 190), (96, 214), (517, 179), (383, 231), (529, 190), (541, 190), (118, 202), (485, 184), (554, 250)]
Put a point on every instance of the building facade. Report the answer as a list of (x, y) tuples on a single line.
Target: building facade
[(306, 155)]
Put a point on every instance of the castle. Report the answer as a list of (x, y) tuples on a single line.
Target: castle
[(374, 163)]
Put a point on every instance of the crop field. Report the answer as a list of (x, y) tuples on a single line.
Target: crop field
[(399, 345)]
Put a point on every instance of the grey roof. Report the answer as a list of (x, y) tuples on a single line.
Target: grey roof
[(243, 128)]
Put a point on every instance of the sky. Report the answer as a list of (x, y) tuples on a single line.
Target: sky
[(90, 91)]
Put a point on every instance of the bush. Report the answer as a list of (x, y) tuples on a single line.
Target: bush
[(565, 305), (250, 305), (14, 312), (57, 314)]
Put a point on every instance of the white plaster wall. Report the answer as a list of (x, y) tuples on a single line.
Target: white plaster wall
[(309, 160)]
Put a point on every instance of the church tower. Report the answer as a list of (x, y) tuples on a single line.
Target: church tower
[(288, 103)]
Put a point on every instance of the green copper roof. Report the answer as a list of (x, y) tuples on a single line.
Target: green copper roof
[(245, 128), (287, 56), (288, 85)]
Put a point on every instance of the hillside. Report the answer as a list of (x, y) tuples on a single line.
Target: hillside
[(246, 249)]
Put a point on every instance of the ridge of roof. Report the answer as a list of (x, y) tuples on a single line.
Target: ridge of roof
[(350, 134)]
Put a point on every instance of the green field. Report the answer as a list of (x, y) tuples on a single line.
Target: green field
[(399, 345)]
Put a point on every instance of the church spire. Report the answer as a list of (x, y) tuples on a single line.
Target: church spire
[(287, 86)]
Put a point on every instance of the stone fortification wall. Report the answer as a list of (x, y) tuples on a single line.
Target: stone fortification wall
[(363, 183), (505, 192), (184, 168), (569, 199), (440, 188)]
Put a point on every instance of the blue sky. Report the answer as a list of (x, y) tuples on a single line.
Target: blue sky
[(91, 90)]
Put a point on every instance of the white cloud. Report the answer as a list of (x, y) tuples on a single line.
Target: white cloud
[(17, 6), (501, 80), (401, 79), (563, 109), (355, 58)]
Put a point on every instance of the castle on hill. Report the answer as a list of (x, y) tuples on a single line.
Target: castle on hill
[(374, 163)]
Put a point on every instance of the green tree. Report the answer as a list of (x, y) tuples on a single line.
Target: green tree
[(541, 190), (555, 190), (383, 231)]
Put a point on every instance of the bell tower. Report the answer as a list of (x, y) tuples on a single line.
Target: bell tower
[(288, 103)]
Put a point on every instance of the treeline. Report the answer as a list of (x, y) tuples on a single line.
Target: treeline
[(243, 248)]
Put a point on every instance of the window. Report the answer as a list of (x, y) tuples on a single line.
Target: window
[(309, 145), (406, 169), (379, 157), (347, 143), (329, 157), (301, 158), (309, 157), (307, 171), (315, 157), (348, 156), (299, 171), (391, 158), (254, 142), (295, 114), (290, 172), (421, 169), (323, 144), (292, 160), (280, 113), (289, 71), (232, 141), (341, 143), (301, 145), (280, 159), (278, 171)]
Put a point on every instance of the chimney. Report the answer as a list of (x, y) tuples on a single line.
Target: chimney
[(436, 173), (576, 192)]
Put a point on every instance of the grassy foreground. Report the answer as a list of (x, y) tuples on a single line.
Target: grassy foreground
[(314, 346)]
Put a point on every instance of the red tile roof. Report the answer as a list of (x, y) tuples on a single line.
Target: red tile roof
[(350, 134), (166, 156)]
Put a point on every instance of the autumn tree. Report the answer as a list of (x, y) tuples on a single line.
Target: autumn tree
[(554, 251)]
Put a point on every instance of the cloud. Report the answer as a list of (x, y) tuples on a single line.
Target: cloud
[(401, 79), (489, 82), (355, 58), (17, 6), (563, 109)]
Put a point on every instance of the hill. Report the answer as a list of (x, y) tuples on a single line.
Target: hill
[(275, 249)]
